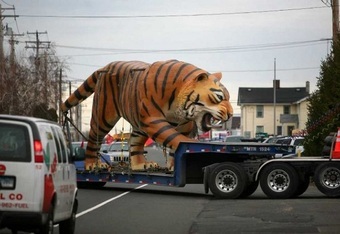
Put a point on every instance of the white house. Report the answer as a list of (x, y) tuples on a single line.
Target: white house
[(279, 113)]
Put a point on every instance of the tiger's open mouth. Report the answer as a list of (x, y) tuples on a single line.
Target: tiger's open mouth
[(208, 122)]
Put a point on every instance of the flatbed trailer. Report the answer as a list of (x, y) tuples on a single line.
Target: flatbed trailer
[(232, 170)]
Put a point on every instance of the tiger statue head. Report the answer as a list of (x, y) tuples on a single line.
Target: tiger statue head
[(205, 101)]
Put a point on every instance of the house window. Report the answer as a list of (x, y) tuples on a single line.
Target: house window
[(259, 111), (279, 130), (286, 110), (259, 129)]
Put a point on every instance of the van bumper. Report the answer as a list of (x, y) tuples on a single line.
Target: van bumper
[(21, 220)]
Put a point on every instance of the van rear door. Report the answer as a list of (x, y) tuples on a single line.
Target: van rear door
[(20, 183)]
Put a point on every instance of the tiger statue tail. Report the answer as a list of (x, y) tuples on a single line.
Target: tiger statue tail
[(82, 92), (86, 89)]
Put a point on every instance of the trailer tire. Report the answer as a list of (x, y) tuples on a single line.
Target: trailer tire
[(206, 179), (327, 179), (303, 186), (279, 181), (250, 189), (227, 180)]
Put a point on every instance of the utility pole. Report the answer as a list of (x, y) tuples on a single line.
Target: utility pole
[(335, 19), (2, 55), (3, 78), (13, 80), (12, 42), (274, 97), (37, 45), (60, 95)]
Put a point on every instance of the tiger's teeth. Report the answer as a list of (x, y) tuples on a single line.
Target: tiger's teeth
[(215, 122)]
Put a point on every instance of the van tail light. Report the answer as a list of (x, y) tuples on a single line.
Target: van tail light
[(38, 152)]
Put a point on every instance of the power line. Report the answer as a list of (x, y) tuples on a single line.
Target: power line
[(169, 15), (241, 48), (15, 18), (327, 2), (7, 3), (271, 70), (231, 71)]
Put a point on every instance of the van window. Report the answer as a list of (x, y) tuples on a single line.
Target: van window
[(56, 140), (14, 143), (62, 145)]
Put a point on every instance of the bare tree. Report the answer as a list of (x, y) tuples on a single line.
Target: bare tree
[(28, 87)]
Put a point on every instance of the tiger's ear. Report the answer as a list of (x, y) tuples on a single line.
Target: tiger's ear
[(201, 77), (218, 75)]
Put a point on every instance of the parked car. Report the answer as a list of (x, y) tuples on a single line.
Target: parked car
[(118, 151), (295, 141), (38, 185), (79, 162), (76, 144), (233, 138), (270, 139), (104, 147)]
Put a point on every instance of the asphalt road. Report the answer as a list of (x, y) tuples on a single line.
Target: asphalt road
[(130, 208), (120, 208), (154, 209)]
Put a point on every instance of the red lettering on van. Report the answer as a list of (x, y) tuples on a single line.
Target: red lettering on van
[(54, 164), (14, 205), (21, 205), (2, 169), (14, 196)]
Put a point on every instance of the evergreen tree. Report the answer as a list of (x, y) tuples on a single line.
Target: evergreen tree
[(324, 104)]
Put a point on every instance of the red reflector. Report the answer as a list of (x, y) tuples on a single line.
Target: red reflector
[(38, 152)]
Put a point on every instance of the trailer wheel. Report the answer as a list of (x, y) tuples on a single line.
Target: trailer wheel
[(250, 189), (327, 179), (303, 186), (279, 180), (227, 180), (206, 179)]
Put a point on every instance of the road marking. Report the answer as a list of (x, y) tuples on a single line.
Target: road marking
[(107, 201)]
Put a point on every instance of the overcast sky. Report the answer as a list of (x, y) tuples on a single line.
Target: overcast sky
[(240, 38)]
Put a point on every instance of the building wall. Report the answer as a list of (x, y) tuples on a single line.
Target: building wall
[(249, 121), (303, 114)]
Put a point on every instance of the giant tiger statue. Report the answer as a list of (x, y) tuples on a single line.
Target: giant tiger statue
[(165, 100)]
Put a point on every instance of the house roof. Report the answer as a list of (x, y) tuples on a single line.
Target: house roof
[(248, 95)]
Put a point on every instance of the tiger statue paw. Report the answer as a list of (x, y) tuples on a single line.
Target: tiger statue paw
[(144, 166), (96, 166), (170, 163), (139, 162)]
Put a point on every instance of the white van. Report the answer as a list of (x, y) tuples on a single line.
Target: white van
[(38, 184)]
